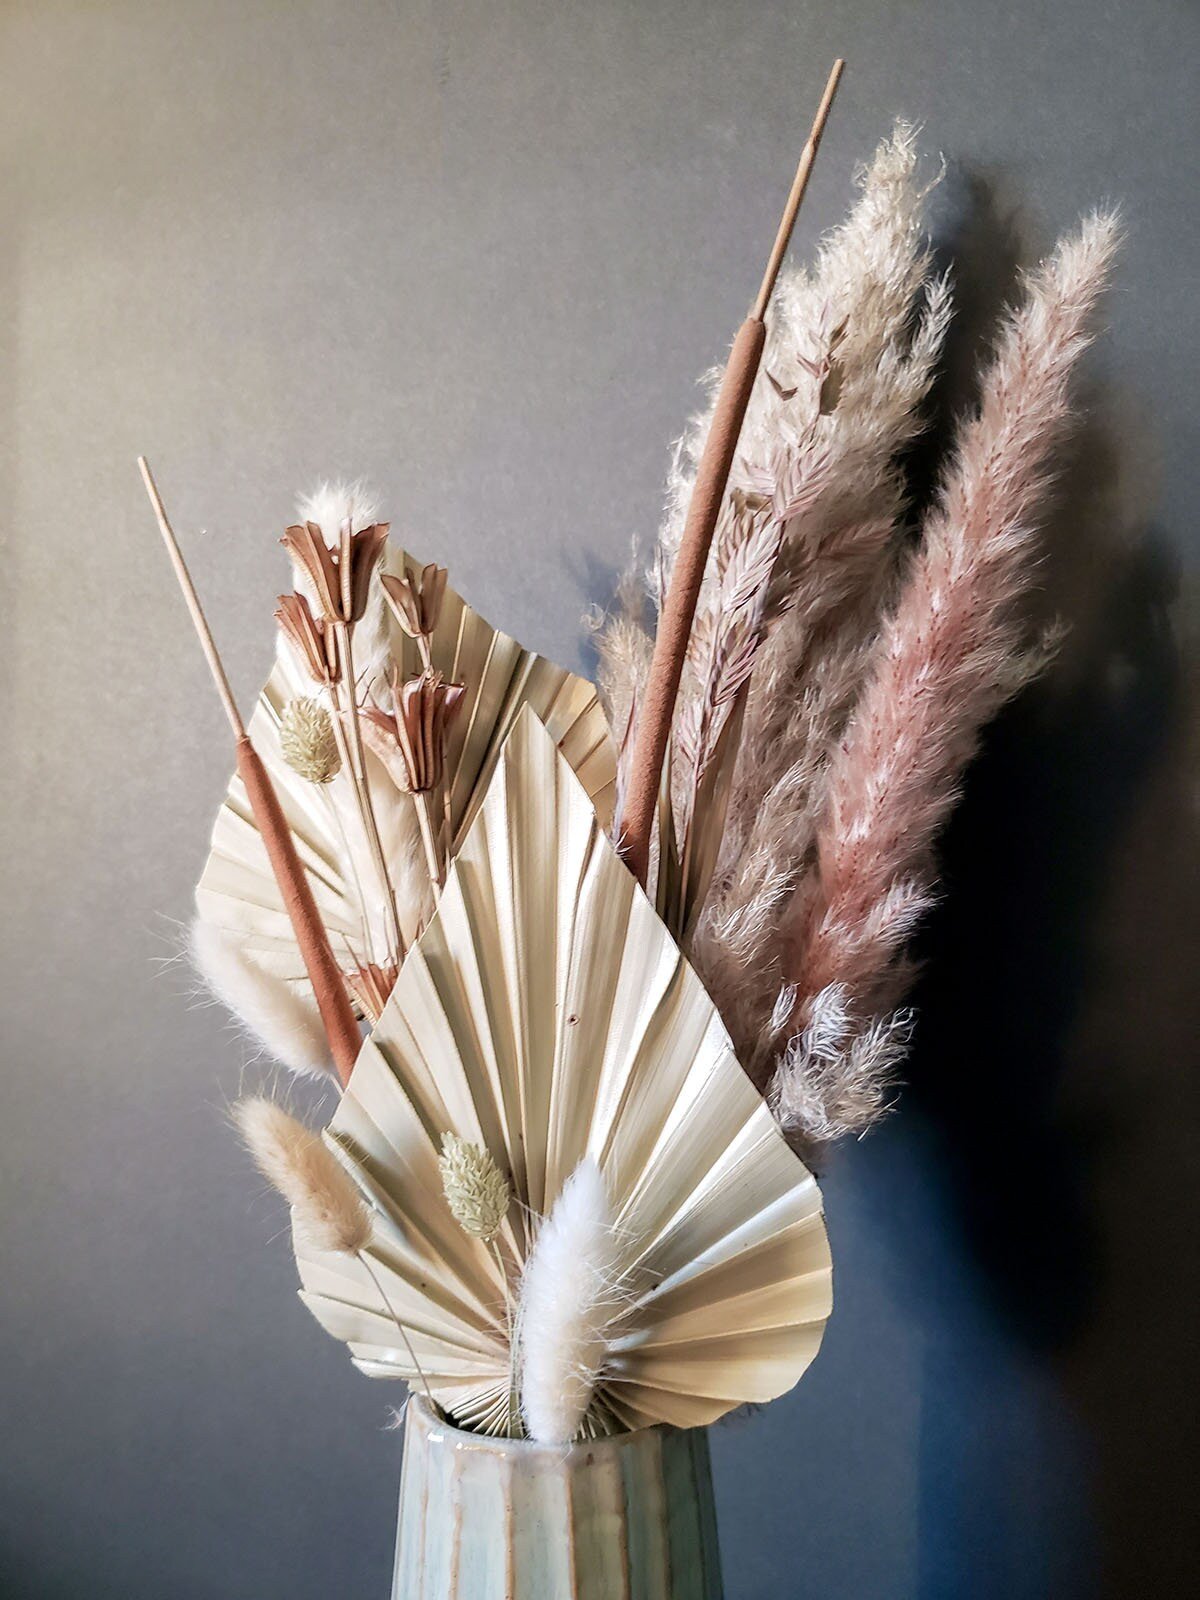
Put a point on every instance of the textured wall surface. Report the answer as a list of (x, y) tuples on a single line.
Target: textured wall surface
[(479, 254)]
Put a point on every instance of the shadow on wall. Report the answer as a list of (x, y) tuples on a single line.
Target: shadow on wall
[(1030, 1204), (1054, 1061)]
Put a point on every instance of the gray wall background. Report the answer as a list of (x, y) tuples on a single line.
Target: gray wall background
[(479, 254)]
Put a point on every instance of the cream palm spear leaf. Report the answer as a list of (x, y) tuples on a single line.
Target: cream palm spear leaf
[(237, 892), (547, 1015)]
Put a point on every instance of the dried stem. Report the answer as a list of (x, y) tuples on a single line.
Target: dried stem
[(424, 802), (687, 576), (799, 184), (392, 1312), (192, 600), (358, 767)]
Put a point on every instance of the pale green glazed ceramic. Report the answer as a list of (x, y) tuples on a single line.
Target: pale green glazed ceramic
[(626, 1518)]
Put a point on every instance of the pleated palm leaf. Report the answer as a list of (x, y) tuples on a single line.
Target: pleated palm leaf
[(547, 1015), (237, 893)]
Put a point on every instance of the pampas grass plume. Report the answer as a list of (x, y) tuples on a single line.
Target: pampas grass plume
[(568, 1297), (282, 1018), (946, 659), (328, 1210)]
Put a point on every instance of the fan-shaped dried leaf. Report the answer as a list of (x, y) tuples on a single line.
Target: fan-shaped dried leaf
[(237, 891), (546, 1015)]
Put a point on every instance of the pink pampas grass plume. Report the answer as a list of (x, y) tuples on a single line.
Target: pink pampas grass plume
[(950, 654)]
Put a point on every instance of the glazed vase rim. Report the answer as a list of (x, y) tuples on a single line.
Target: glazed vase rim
[(418, 1410)]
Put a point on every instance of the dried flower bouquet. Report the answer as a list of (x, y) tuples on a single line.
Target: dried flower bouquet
[(561, 1193)]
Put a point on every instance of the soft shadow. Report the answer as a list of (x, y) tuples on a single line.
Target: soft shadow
[(1054, 1062)]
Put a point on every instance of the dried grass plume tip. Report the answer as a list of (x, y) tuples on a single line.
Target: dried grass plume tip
[(307, 741), (476, 1191), (327, 1208)]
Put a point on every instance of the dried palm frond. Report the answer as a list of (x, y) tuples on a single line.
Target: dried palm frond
[(545, 1015)]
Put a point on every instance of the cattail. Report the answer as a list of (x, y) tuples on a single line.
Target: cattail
[(851, 354), (328, 1209), (476, 1191), (569, 1297), (281, 1016), (307, 741)]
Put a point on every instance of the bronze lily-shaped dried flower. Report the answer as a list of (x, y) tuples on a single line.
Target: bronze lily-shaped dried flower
[(341, 577), (416, 598), (422, 711), (311, 638)]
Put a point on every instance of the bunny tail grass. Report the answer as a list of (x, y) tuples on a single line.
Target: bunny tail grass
[(568, 1298), (327, 1207), (279, 1016)]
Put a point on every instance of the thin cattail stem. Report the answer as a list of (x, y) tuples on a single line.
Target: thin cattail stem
[(795, 198), (657, 709), (403, 1331), (329, 991), (192, 600)]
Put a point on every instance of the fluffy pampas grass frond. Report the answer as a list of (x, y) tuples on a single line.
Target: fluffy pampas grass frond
[(951, 652), (835, 1078), (278, 1015), (568, 1298), (851, 357), (328, 1209)]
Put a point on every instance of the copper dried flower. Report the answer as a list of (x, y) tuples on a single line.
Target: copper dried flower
[(369, 987), (310, 637), (341, 577), (423, 709), (416, 598)]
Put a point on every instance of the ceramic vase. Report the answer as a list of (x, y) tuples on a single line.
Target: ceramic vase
[(624, 1518)]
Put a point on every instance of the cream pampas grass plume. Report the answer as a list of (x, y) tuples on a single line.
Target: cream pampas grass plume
[(950, 655), (327, 1208), (851, 353), (280, 1016), (568, 1299)]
